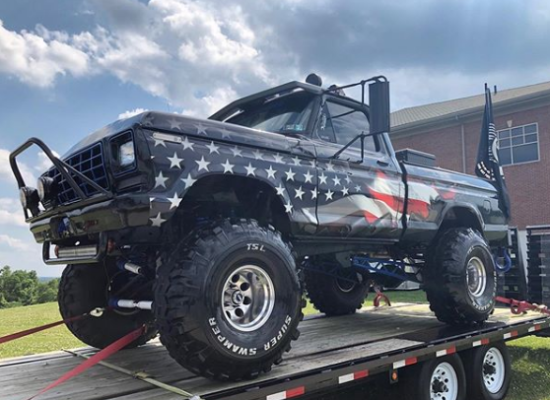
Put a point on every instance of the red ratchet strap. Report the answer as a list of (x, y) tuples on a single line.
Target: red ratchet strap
[(17, 335), (520, 307), (380, 297), (96, 358)]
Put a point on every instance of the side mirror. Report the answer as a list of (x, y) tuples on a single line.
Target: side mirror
[(379, 102)]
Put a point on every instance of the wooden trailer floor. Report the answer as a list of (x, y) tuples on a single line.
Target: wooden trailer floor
[(324, 341)]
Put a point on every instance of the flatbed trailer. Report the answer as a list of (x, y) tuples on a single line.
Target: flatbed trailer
[(331, 354)]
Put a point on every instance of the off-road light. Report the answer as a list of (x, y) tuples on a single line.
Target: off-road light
[(46, 188), (29, 199)]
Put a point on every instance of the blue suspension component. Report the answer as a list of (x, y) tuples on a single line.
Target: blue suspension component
[(502, 252), (384, 266)]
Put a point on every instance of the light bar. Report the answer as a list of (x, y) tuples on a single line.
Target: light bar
[(77, 251)]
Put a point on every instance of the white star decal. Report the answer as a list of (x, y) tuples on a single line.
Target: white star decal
[(203, 164), (348, 180), (151, 199), (175, 161), (345, 191), (159, 142), (323, 179), (312, 163), (187, 144), (299, 193), (258, 155), (278, 158), (160, 180), (271, 172), (308, 177), (330, 167), (227, 167), (296, 161), (225, 134), (336, 180), (213, 148), (250, 170), (200, 129), (290, 175), (189, 181), (280, 189), (174, 124), (329, 194), (357, 188), (288, 208), (174, 201), (314, 193), (157, 221), (236, 152)]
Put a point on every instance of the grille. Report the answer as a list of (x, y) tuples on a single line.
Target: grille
[(90, 163)]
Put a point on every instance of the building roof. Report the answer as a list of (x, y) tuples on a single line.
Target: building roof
[(419, 115)]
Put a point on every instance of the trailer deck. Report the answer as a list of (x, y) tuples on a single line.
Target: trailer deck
[(330, 352)]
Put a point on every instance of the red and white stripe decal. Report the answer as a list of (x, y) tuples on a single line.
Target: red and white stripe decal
[(446, 352), (535, 328), (287, 394), (353, 377), (510, 335), (404, 363), (481, 342)]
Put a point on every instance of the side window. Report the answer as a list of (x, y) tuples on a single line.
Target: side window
[(340, 124)]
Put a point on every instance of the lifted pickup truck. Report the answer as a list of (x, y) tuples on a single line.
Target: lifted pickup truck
[(209, 230)]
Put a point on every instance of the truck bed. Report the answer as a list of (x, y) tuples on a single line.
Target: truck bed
[(330, 352)]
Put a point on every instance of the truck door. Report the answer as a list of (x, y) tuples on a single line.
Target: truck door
[(355, 199)]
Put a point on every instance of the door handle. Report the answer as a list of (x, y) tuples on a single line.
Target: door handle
[(382, 163)]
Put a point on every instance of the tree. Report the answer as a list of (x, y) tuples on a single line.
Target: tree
[(47, 291), (18, 286)]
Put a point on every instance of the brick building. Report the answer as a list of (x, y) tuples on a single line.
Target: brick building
[(450, 130)]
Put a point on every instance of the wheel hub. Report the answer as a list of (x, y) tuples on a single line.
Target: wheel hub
[(248, 298), (476, 277), (444, 383), (493, 370)]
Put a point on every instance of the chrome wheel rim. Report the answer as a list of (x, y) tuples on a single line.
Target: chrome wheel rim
[(494, 370), (345, 286), (444, 383), (248, 298), (476, 277)]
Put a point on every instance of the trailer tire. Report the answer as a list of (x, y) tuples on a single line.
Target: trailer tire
[(204, 282), (443, 376), (489, 372), (334, 297), (82, 288), (460, 278)]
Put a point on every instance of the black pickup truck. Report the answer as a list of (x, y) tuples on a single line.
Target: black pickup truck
[(210, 230)]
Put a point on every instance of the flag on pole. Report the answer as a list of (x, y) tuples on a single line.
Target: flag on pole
[(487, 165)]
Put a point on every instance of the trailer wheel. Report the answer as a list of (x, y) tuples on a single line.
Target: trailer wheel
[(460, 278), (84, 287), (333, 296), (437, 379), (228, 300), (488, 371)]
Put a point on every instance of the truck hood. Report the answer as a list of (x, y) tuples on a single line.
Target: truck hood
[(180, 124)]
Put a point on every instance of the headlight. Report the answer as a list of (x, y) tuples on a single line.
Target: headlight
[(46, 188), (126, 154)]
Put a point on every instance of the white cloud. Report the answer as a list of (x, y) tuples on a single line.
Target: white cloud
[(37, 58), (6, 172), (13, 243), (131, 113), (44, 163), (11, 212)]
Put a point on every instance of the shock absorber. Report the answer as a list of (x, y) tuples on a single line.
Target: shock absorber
[(125, 265)]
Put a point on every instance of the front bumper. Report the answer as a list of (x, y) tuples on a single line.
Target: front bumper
[(124, 218)]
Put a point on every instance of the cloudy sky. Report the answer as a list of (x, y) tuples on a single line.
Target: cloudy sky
[(68, 67)]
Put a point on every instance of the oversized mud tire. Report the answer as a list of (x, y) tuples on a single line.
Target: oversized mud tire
[(460, 278), (84, 287), (228, 300), (333, 296)]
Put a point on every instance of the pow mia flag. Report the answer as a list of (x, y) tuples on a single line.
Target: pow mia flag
[(487, 165)]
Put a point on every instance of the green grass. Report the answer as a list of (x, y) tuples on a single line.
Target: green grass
[(531, 355), (20, 318)]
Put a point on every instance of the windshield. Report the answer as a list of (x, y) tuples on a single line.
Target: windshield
[(286, 114)]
